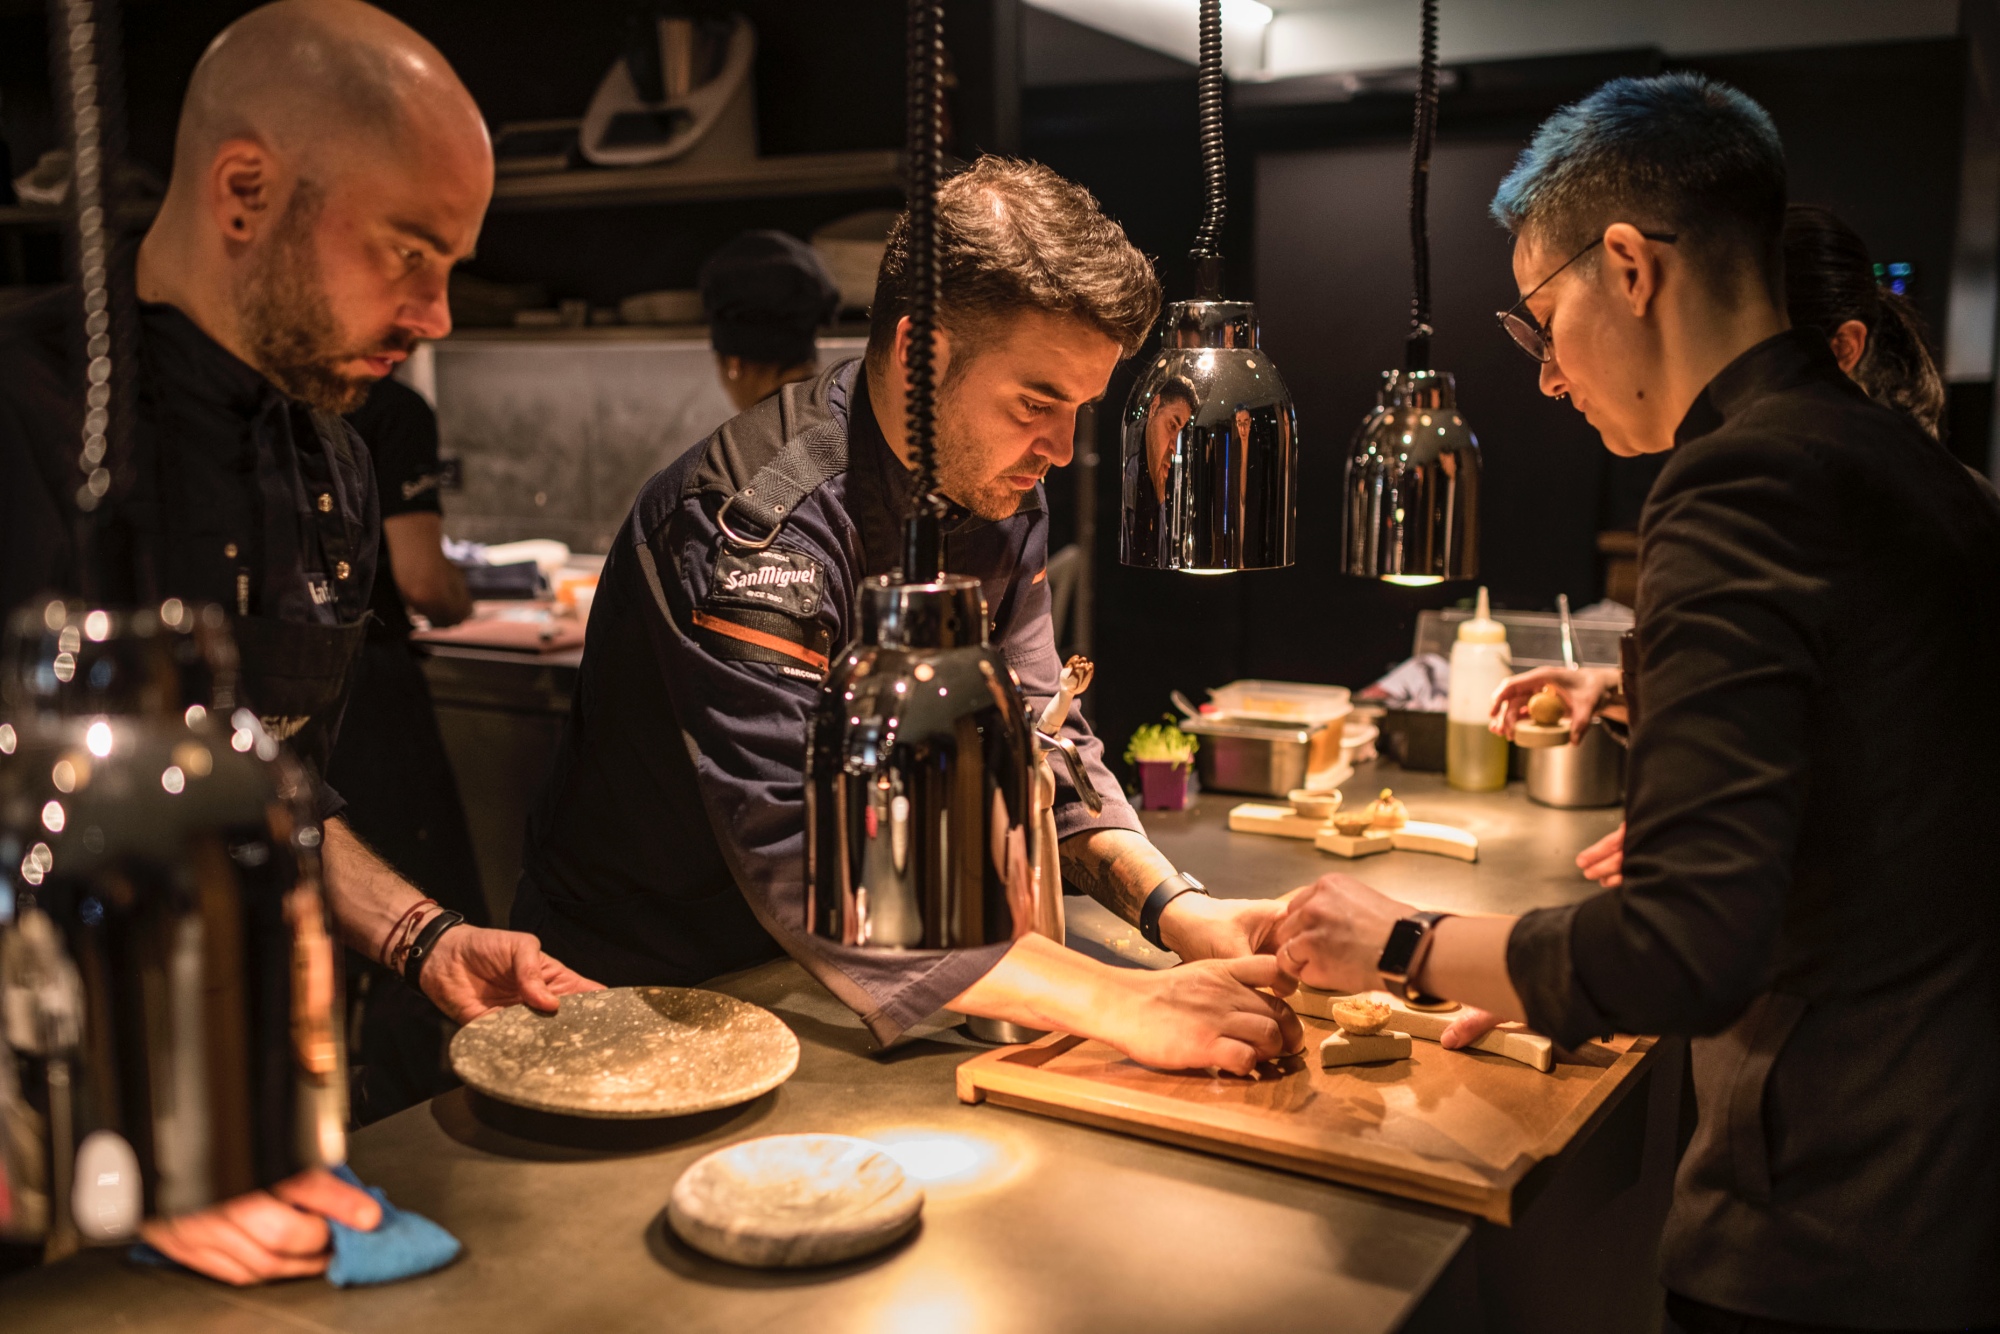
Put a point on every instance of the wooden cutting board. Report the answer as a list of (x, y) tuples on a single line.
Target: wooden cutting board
[(1455, 1128)]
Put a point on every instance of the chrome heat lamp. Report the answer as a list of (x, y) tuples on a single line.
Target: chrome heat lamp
[(1211, 469), (918, 800), (1412, 494)]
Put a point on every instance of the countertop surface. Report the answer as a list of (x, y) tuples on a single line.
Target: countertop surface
[(1031, 1225)]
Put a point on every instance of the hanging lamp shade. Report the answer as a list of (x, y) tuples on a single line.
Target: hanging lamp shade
[(1412, 493), (1211, 462)]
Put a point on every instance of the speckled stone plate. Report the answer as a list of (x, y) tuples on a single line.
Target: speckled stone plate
[(791, 1201), (628, 1053)]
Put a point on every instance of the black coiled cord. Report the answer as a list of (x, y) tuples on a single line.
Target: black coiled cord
[(923, 545), (1207, 253), (1417, 347)]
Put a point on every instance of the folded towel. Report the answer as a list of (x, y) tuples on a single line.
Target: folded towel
[(403, 1245)]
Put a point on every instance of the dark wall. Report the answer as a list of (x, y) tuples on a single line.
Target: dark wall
[(1318, 235)]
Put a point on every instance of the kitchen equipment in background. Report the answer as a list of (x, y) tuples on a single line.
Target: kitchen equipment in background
[(1589, 773), (1282, 701), (169, 997), (531, 147), (1412, 492), (1476, 757), (1266, 758), (852, 249), (1416, 739), (1534, 638), (681, 91), (628, 1053), (670, 306), (1211, 459)]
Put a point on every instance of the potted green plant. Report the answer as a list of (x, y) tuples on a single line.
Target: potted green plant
[(1165, 756)]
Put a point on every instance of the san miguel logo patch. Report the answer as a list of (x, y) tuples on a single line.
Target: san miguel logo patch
[(783, 581)]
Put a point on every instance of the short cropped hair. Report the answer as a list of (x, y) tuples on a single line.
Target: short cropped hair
[(1677, 152), (1012, 237)]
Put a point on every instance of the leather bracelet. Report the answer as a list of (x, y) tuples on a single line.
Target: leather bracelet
[(420, 948), (1156, 903)]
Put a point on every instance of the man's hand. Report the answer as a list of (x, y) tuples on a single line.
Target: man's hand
[(1333, 932), (1604, 860), (1196, 926), (475, 970), (1218, 1013), (1582, 689), (279, 1233)]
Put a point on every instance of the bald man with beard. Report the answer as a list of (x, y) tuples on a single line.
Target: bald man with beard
[(329, 170)]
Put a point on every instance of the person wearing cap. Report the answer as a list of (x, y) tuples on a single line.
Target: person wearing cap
[(1808, 891), (765, 295)]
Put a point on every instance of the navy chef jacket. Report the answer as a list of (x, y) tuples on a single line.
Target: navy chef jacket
[(669, 843)]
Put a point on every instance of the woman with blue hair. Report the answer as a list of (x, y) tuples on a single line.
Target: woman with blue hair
[(1811, 901)]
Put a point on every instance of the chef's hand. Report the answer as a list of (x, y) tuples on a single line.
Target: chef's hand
[(1582, 689), (1218, 1013), (1196, 926), (1604, 860), (279, 1233), (475, 970), (1333, 932)]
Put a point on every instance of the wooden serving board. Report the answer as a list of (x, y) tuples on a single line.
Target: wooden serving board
[(1454, 1128)]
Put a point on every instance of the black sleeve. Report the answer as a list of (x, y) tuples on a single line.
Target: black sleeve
[(401, 432), (1737, 551)]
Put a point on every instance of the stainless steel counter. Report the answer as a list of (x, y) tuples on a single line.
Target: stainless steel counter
[(1032, 1224)]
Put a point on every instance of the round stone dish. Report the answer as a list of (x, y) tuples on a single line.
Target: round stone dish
[(790, 1201), (628, 1053)]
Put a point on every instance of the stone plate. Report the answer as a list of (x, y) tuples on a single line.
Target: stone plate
[(789, 1201), (627, 1053)]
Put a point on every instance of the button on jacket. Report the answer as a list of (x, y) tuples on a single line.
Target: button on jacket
[(1810, 889), (234, 494), (669, 843)]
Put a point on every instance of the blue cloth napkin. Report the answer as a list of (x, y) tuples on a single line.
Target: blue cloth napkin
[(403, 1245)]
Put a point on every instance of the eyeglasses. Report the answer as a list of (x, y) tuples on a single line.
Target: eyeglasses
[(1521, 324)]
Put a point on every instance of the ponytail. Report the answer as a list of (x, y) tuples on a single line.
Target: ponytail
[(1897, 368)]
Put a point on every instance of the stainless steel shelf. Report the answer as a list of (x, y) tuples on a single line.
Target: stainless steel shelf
[(756, 178)]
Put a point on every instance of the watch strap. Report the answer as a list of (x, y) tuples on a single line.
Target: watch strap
[(1156, 903), (425, 943), (1396, 971)]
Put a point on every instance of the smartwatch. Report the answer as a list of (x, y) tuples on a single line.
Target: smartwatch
[(1156, 903), (425, 943), (1400, 954)]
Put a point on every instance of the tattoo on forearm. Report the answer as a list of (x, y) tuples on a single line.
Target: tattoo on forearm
[(1117, 872)]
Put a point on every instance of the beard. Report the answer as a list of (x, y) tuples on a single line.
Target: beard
[(961, 469), (288, 323)]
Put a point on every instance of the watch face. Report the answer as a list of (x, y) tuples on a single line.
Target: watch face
[(1403, 938)]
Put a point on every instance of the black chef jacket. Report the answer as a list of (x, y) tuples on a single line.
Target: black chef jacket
[(400, 429), (669, 843), (1809, 887), (232, 496)]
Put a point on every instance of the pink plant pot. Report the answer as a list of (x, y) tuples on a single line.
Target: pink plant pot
[(1163, 785)]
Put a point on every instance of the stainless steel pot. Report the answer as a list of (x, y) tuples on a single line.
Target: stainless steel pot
[(168, 994), (1590, 773)]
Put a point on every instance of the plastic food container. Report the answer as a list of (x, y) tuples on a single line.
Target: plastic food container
[(1281, 701)]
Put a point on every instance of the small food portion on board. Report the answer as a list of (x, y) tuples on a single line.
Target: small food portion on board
[(1383, 825), (1360, 1014), (1544, 726), (1513, 1041)]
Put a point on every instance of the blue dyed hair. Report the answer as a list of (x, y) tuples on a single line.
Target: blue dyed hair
[(1676, 152)]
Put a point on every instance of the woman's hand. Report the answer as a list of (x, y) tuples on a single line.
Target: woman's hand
[(1333, 933), (1582, 690), (1196, 926), (265, 1235), (1604, 860), (475, 970)]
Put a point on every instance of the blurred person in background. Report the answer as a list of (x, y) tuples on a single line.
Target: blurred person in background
[(765, 296), (1879, 340), (390, 762)]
